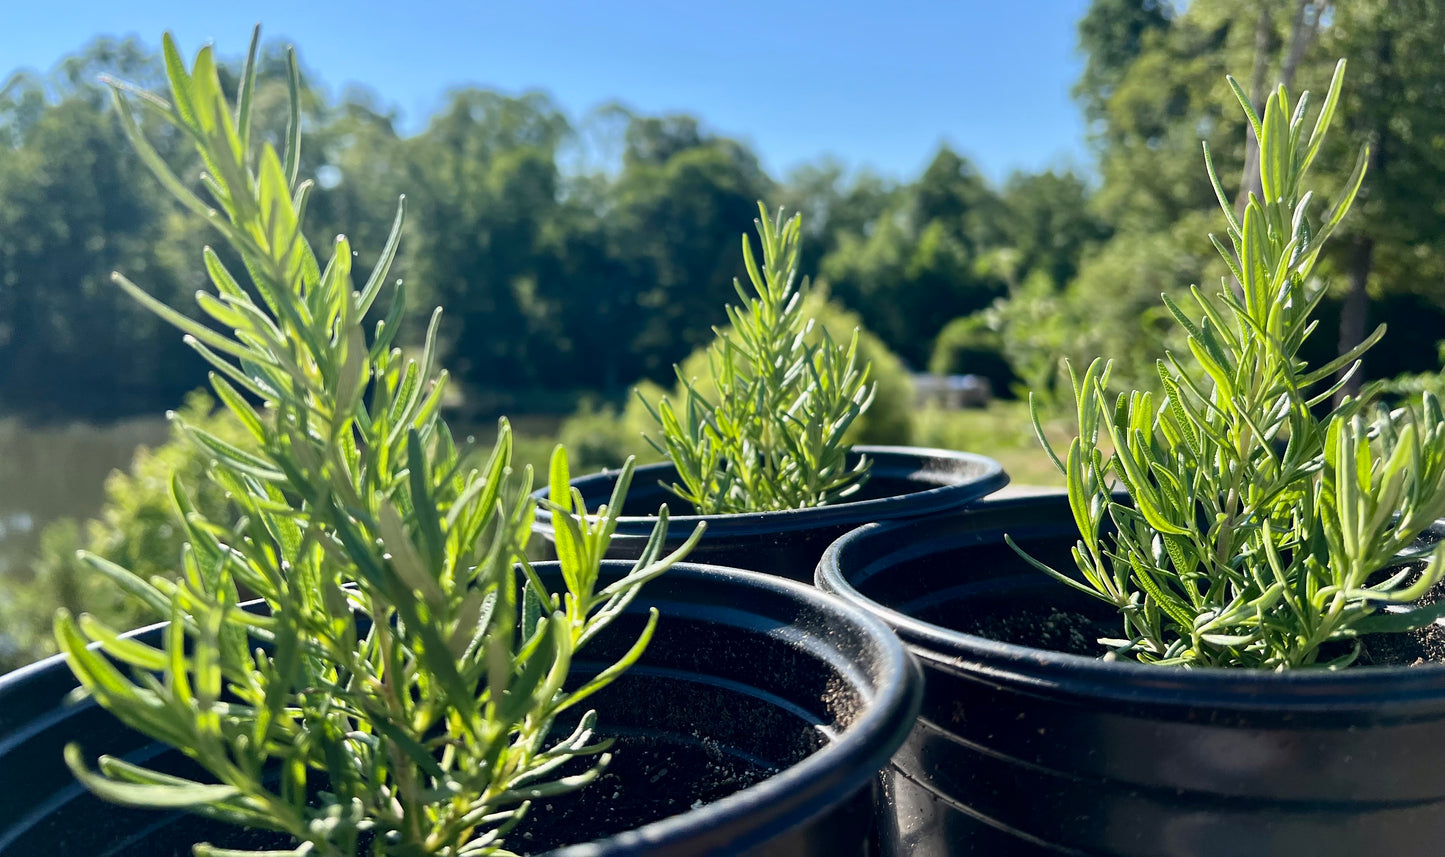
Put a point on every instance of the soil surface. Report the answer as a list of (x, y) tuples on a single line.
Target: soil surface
[(1041, 627), (1424, 646), (648, 780), (1059, 629)]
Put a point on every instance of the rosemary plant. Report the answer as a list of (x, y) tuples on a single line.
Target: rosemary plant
[(398, 693), (1258, 532), (774, 438)]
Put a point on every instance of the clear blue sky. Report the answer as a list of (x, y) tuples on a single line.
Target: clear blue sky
[(871, 83)]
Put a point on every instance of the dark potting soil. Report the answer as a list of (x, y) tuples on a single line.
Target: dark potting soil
[(648, 779), (1076, 632), (1411, 649), (1414, 648), (1041, 627)]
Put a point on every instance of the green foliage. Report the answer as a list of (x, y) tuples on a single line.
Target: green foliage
[(1050, 224), (919, 264), (1393, 248), (973, 345), (137, 529), (888, 420), (1052, 233), (603, 437), (1112, 34), (1257, 531), (774, 437), (139, 525), (1150, 89), (27, 606), (589, 253), (833, 205), (73, 206), (1003, 429), (676, 209), (401, 688), (1417, 384), (1394, 48), (557, 273), (1109, 309), (484, 183), (1038, 324), (1161, 99), (1113, 308)]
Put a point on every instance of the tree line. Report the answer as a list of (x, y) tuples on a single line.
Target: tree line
[(591, 253)]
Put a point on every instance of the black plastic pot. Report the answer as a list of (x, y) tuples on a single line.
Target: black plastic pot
[(769, 701), (1023, 751), (905, 482)]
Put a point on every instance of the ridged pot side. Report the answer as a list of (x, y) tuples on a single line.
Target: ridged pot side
[(795, 695), (905, 482), (1026, 751)]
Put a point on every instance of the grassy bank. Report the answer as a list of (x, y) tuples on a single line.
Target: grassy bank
[(1001, 431)]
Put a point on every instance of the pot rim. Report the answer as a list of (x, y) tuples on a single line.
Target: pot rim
[(1060, 673), (990, 478), (865, 746), (889, 686)]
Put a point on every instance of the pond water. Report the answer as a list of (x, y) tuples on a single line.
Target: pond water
[(58, 471), (55, 471)]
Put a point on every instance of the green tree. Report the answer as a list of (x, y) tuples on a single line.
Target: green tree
[(72, 209), (973, 345), (1112, 35), (1049, 224), (360, 163), (677, 207), (593, 292), (1397, 83), (833, 204), (920, 264), (484, 189), (1154, 96)]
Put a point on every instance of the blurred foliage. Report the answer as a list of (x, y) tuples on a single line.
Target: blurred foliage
[(583, 256), (1152, 91), (75, 204), (973, 345), (137, 529), (601, 436), (1002, 432), (1413, 385), (1050, 225), (586, 254), (888, 421), (919, 262)]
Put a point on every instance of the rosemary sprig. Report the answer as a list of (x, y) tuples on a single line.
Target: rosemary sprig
[(774, 438), (1258, 532), (400, 688)]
